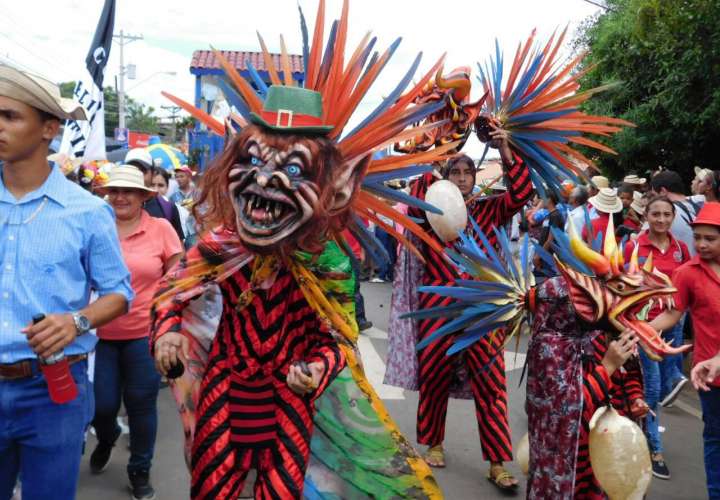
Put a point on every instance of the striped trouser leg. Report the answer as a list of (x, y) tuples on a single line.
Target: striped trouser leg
[(486, 365), (281, 471), (435, 373), (218, 469)]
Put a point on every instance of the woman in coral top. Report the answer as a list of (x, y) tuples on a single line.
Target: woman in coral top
[(124, 367), (668, 254)]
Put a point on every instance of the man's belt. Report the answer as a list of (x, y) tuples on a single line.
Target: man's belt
[(24, 369)]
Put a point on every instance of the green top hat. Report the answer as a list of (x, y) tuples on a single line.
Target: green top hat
[(292, 109)]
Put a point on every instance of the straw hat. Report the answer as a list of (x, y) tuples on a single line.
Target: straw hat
[(638, 204), (39, 93), (600, 181), (607, 201), (703, 173), (128, 177), (634, 180)]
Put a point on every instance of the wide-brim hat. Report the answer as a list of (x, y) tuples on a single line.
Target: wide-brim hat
[(39, 93), (600, 181), (704, 173), (292, 110), (127, 177), (607, 201), (638, 204), (709, 214), (634, 180)]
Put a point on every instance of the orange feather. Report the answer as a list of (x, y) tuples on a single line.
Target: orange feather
[(248, 93), (213, 124)]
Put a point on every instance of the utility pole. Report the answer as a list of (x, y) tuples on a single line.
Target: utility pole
[(123, 40), (174, 112)]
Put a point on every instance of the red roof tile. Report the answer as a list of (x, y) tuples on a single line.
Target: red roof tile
[(205, 59)]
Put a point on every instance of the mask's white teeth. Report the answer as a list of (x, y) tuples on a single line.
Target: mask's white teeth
[(277, 210)]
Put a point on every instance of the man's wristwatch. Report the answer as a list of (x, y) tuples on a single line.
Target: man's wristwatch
[(82, 324)]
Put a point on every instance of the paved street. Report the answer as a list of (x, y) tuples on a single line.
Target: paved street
[(464, 476)]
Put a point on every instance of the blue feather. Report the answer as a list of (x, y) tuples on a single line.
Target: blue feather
[(597, 242), (546, 257), (484, 285), (453, 326), (395, 195), (507, 253), (392, 97), (234, 98), (376, 250), (435, 312), (486, 244), (525, 257), (257, 79), (329, 54), (305, 39), (399, 173)]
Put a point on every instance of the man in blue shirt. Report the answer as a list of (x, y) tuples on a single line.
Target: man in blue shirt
[(57, 244)]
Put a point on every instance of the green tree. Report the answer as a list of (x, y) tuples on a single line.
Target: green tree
[(665, 55), (141, 118)]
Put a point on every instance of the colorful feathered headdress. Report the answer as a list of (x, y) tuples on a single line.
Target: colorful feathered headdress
[(538, 104), (343, 82)]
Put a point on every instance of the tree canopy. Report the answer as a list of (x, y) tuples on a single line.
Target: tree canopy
[(665, 57)]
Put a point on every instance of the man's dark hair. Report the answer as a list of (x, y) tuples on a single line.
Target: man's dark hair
[(45, 116), (668, 179), (626, 188), (552, 196), (581, 195)]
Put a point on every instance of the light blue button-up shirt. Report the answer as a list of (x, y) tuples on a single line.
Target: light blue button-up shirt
[(57, 244)]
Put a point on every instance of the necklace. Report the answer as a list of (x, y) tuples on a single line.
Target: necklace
[(32, 215)]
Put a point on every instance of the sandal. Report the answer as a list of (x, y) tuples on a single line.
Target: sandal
[(501, 478), (435, 457)]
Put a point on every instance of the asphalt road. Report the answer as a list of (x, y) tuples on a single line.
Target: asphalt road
[(464, 477)]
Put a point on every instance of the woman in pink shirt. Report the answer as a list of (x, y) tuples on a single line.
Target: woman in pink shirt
[(124, 367)]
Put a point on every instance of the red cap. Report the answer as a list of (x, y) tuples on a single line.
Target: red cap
[(709, 214)]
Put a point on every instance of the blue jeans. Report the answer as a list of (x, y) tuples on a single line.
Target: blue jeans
[(40, 440), (651, 383), (124, 369), (386, 271), (671, 367), (710, 402)]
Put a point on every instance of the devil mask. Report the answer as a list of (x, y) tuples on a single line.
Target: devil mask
[(281, 192)]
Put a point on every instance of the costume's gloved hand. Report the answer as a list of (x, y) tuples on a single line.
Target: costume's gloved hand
[(170, 351), (303, 378)]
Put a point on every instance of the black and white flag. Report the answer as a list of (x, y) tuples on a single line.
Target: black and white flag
[(86, 139)]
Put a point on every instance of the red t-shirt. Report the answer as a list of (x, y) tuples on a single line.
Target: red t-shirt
[(676, 255), (599, 225), (699, 293), (145, 253)]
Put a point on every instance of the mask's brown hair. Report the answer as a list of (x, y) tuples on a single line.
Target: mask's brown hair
[(214, 209)]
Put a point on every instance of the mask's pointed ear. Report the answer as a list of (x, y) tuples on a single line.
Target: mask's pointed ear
[(346, 182)]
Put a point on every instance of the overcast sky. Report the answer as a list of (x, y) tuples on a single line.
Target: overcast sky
[(52, 38)]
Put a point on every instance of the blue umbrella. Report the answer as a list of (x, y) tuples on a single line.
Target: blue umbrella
[(169, 157)]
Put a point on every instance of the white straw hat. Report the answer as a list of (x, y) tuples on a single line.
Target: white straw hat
[(634, 180), (39, 93), (607, 201), (600, 181), (638, 204), (128, 177)]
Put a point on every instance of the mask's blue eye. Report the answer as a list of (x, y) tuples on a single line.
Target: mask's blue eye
[(293, 169), (255, 161)]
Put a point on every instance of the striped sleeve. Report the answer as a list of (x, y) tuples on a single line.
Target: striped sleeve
[(632, 383), (418, 188), (325, 350), (502, 208), (596, 389)]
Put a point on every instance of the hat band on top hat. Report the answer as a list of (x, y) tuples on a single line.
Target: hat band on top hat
[(287, 118)]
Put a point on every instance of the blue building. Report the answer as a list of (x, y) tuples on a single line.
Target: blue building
[(209, 96)]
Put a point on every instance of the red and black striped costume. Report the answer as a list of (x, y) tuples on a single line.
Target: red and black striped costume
[(485, 359), (247, 416), (624, 387)]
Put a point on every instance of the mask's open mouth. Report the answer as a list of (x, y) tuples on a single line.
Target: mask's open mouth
[(632, 312), (264, 212)]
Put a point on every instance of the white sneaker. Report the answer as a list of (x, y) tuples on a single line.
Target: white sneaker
[(377, 280), (670, 398)]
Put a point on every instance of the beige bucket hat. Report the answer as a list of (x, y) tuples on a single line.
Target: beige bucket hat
[(639, 203), (128, 177), (600, 181), (607, 201), (39, 93)]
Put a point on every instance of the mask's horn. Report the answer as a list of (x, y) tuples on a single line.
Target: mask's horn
[(633, 267), (648, 266), (597, 262)]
